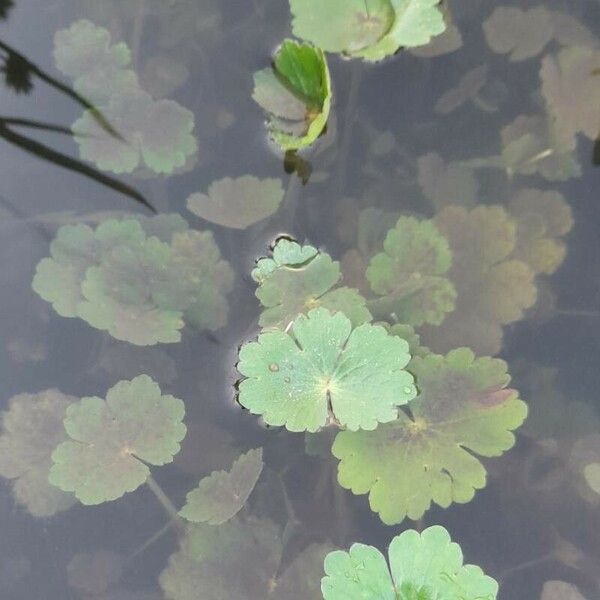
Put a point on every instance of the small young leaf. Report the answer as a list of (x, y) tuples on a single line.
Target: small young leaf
[(422, 566), (296, 92), (324, 371), (113, 440), (220, 496), (299, 278)]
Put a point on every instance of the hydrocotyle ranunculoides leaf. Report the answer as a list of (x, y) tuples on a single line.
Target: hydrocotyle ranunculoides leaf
[(296, 92), (422, 566), (324, 372), (409, 275), (463, 409), (31, 428), (114, 440), (299, 278), (238, 203), (368, 29), (222, 494)]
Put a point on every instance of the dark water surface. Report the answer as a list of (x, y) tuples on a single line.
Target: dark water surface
[(538, 518)]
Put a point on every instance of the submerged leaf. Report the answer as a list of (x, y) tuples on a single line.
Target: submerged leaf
[(368, 29), (94, 573), (241, 560), (560, 590), (220, 496), (468, 88), (323, 371), (31, 429), (522, 33), (427, 456), (296, 92), (573, 69), (238, 203), (299, 278), (409, 274), (113, 440), (422, 566)]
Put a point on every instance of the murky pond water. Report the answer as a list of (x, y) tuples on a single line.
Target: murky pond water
[(362, 285)]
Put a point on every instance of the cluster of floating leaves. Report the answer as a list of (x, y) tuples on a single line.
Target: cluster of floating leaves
[(138, 278), (155, 135)]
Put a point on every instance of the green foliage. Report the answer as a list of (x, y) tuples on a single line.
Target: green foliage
[(98, 67), (154, 134), (368, 29), (113, 441), (493, 286), (31, 428), (427, 455), (573, 68), (324, 372), (542, 218), (296, 93), (137, 278), (409, 274), (238, 203), (422, 566), (296, 279), (242, 560), (220, 496)]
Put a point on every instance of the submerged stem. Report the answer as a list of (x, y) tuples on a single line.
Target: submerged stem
[(164, 500)]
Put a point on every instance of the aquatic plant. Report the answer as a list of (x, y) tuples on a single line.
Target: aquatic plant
[(112, 441), (427, 454), (221, 495), (137, 278), (324, 372), (296, 93), (422, 566), (409, 275), (31, 428), (368, 29), (295, 279), (238, 203)]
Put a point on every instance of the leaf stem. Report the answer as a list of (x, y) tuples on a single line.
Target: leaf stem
[(163, 498), (151, 540)]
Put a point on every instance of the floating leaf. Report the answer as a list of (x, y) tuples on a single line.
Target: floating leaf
[(463, 409), (222, 495), (323, 371), (446, 183), (240, 559), (296, 92), (543, 217), (422, 566), (114, 440), (157, 134), (98, 67), (574, 68), (299, 278), (522, 33), (368, 29), (31, 428), (560, 590), (238, 203), (409, 274)]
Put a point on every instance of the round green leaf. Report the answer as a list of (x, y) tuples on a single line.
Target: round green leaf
[(322, 371), (463, 409), (424, 566), (113, 440), (221, 495)]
